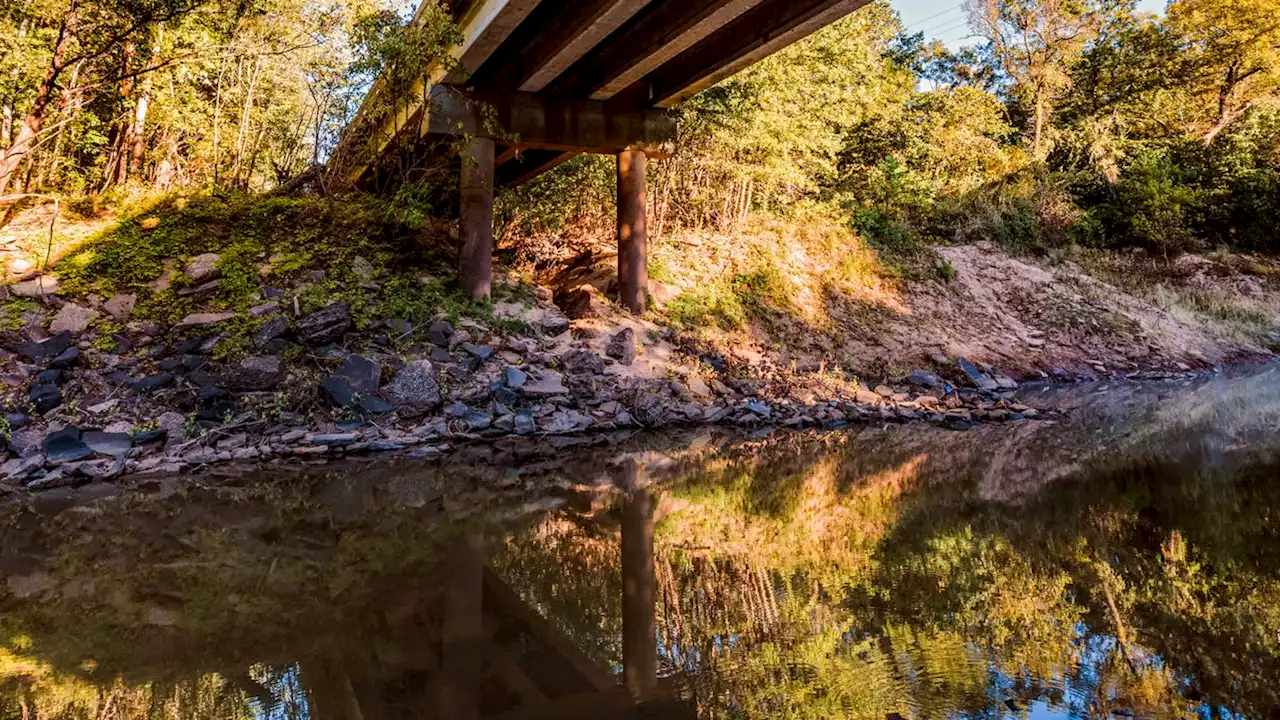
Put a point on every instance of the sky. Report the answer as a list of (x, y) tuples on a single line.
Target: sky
[(945, 19)]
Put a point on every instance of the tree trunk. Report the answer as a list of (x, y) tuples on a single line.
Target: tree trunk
[(138, 138), (123, 132), (246, 114), (217, 121), (34, 120), (70, 104), (10, 98)]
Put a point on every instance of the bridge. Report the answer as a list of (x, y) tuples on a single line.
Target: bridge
[(537, 82)]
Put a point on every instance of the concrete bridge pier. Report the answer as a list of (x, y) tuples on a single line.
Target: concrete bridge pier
[(633, 234), (475, 261)]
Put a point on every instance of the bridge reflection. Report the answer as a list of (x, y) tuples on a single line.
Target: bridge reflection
[(477, 649)]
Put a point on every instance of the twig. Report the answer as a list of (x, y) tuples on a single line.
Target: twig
[(222, 431), (57, 209)]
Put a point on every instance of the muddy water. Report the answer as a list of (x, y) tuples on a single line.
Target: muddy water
[(1124, 562)]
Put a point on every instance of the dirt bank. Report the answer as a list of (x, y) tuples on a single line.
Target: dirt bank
[(183, 337)]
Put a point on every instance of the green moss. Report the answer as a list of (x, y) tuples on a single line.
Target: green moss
[(11, 313)]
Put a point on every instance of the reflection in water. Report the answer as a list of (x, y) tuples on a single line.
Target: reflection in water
[(1123, 563)]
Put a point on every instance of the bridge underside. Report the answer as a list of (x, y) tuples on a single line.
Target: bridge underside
[(591, 76)]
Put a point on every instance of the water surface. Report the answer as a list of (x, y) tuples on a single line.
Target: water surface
[(1122, 562)]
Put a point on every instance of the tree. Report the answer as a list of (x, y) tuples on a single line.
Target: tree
[(1235, 46), (87, 31), (1035, 43)]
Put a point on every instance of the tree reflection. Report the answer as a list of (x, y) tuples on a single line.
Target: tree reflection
[(1115, 564)]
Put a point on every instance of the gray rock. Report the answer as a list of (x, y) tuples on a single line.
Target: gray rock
[(65, 445), (329, 324), (554, 324), (165, 279), (549, 383), (26, 442), (255, 373), (515, 377), (700, 388), (120, 306), (622, 346), (476, 420), (107, 443), (415, 389), (45, 349), (525, 424), (759, 408), (174, 423), (74, 319), (45, 398), (480, 352), (40, 287), (272, 329), (363, 374), (202, 290), (103, 407), (21, 468), (202, 319), (334, 439), (362, 268), (152, 383), (582, 361), (925, 379), (202, 268), (979, 378), (439, 333), (65, 359), (265, 309)]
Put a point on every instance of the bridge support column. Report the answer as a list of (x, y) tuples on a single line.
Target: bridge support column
[(633, 234), (639, 629), (475, 261)]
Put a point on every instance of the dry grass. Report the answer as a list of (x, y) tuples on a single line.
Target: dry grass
[(776, 280)]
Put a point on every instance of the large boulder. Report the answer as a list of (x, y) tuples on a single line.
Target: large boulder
[(415, 390)]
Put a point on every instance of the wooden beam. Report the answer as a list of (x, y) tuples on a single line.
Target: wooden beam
[(753, 36), (651, 38), (502, 20), (533, 121), (555, 36)]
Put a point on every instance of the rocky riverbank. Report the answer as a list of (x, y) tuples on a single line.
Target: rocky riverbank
[(85, 404), (301, 330)]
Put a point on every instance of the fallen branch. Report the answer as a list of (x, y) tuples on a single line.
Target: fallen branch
[(308, 176)]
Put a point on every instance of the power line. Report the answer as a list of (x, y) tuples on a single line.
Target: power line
[(935, 15), (948, 28)]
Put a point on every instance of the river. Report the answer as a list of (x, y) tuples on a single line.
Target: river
[(1122, 560)]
